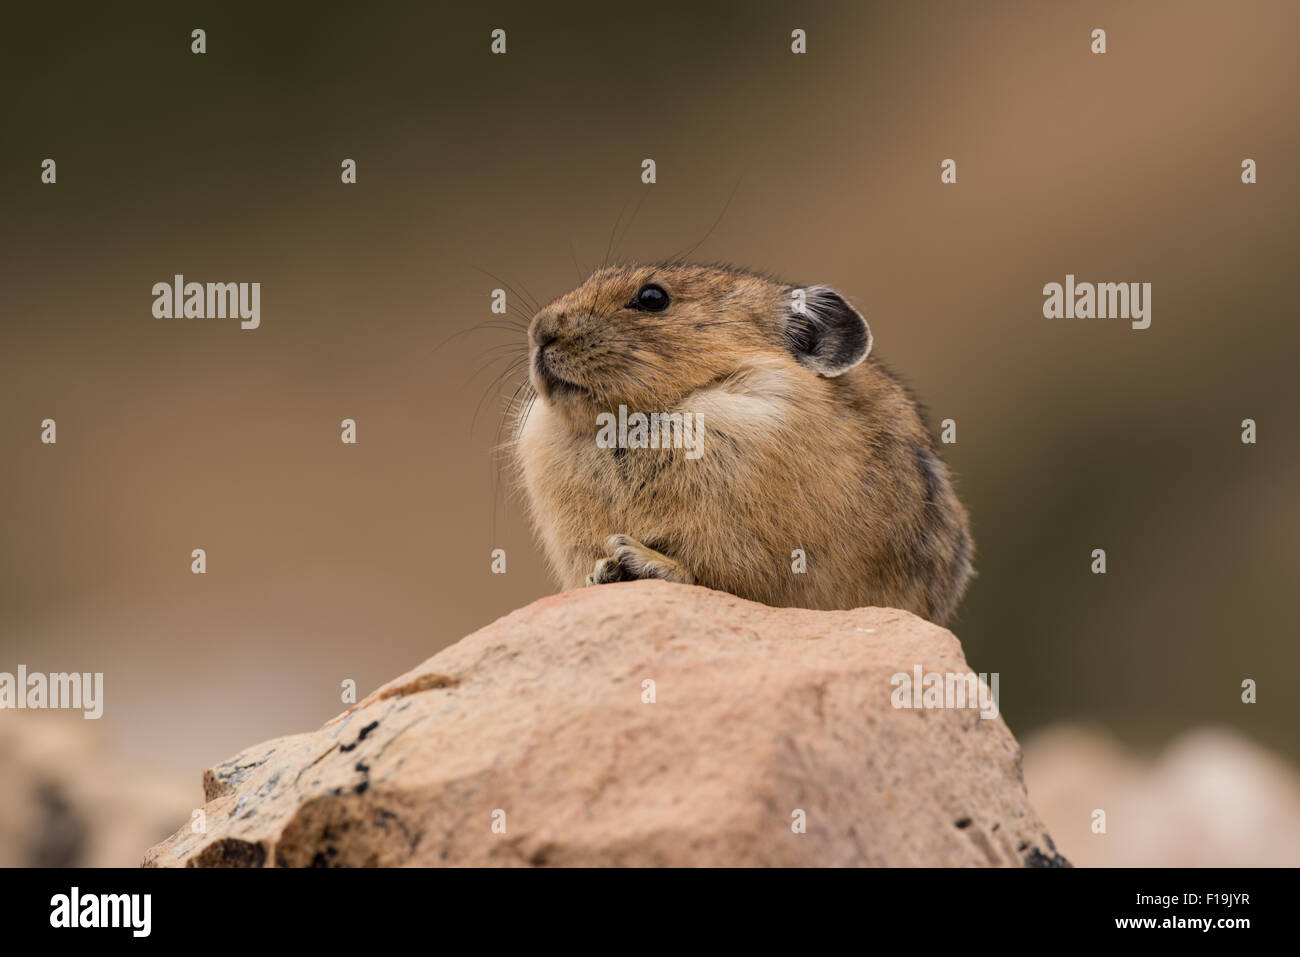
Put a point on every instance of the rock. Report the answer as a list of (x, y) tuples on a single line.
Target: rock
[(67, 800), (529, 743), (1212, 799)]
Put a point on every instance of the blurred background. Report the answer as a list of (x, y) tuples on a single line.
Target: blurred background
[(328, 562)]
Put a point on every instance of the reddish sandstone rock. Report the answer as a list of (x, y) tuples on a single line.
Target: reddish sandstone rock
[(539, 722)]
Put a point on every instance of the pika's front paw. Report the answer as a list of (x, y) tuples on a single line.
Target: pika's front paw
[(629, 560)]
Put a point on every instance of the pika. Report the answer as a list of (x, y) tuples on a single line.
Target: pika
[(816, 482)]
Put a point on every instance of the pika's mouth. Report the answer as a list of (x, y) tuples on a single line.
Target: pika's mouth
[(552, 385)]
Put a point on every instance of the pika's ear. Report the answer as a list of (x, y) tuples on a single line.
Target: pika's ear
[(824, 332)]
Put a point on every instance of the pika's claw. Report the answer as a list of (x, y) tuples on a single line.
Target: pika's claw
[(629, 560)]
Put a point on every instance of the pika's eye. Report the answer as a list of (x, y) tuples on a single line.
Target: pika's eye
[(650, 298)]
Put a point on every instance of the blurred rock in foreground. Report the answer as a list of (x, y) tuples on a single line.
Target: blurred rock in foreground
[(1212, 799), (67, 801), (531, 742)]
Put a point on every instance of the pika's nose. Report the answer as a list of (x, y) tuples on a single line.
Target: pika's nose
[(546, 329)]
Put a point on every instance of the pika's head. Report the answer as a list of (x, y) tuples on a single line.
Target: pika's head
[(647, 336)]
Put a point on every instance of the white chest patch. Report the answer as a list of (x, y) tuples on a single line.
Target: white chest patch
[(755, 402)]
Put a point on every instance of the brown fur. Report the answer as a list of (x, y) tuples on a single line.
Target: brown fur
[(841, 466)]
